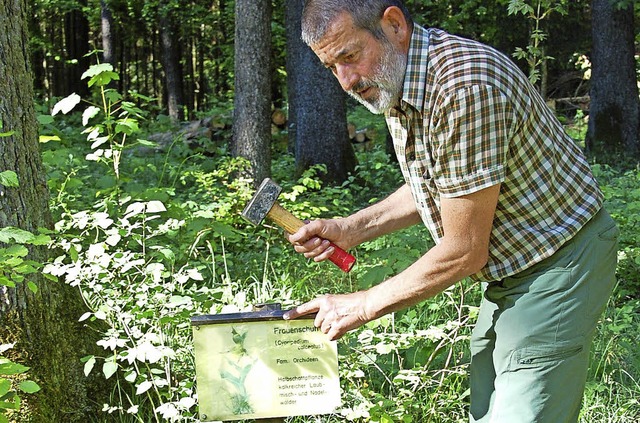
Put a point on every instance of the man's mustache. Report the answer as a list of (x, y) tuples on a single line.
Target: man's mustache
[(363, 85)]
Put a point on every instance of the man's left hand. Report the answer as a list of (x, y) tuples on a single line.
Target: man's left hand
[(335, 314)]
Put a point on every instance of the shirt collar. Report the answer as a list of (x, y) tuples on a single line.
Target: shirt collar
[(413, 91)]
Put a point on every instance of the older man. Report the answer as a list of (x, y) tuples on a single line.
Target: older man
[(507, 196)]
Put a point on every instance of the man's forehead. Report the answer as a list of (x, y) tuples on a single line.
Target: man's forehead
[(341, 37)]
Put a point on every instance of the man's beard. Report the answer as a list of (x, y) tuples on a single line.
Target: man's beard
[(388, 80)]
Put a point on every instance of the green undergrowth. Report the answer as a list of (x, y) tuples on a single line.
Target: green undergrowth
[(151, 235)]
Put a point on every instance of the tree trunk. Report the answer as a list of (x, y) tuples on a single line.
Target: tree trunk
[(203, 82), (170, 47), (189, 88), (613, 113), (108, 42), (57, 78), (223, 40), (252, 102), (317, 107), (44, 326), (76, 49), (37, 54)]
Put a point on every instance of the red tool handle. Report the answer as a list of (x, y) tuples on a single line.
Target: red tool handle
[(342, 259)]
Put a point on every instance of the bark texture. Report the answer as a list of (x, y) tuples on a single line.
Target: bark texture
[(108, 34), (43, 326), (170, 39), (252, 101), (613, 115), (317, 107)]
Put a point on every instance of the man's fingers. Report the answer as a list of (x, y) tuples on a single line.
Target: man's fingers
[(334, 333), (326, 253), (301, 310), (311, 245), (304, 234), (315, 248)]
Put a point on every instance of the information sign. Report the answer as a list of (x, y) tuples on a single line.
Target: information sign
[(257, 365)]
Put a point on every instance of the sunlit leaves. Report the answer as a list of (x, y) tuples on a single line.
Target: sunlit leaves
[(46, 138), (66, 104), (143, 387), (8, 234), (100, 75), (29, 387), (89, 362), (89, 113), (109, 368), (9, 179)]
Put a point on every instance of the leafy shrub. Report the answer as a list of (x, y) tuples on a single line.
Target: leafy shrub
[(14, 268), (9, 395), (157, 238)]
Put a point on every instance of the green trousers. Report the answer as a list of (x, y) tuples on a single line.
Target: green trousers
[(530, 346)]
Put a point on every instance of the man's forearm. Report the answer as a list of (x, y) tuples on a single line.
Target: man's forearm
[(397, 211)]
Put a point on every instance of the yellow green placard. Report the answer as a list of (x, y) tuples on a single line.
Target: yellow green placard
[(262, 369)]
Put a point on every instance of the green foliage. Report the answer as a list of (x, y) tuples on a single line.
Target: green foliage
[(537, 11), (9, 179), (14, 265), (614, 380), (411, 366), (15, 268), (4, 134), (145, 253), (10, 376), (167, 243), (150, 234)]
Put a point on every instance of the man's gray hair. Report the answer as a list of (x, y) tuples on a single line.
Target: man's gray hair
[(317, 15)]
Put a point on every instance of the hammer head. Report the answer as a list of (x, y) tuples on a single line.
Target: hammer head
[(265, 197)]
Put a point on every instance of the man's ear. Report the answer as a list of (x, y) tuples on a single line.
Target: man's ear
[(396, 27)]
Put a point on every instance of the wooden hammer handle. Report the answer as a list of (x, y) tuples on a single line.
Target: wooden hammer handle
[(287, 221), (284, 218)]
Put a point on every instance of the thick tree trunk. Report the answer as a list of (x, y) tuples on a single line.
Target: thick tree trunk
[(252, 111), (170, 46), (43, 326), (614, 111), (317, 107)]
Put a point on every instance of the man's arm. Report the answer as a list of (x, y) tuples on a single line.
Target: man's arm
[(463, 251), (397, 211)]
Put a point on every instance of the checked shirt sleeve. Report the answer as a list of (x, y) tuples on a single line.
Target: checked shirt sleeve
[(471, 140)]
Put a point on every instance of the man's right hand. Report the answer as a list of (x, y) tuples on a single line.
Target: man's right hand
[(313, 239), (395, 212)]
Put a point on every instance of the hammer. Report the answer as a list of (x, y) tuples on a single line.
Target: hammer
[(265, 204)]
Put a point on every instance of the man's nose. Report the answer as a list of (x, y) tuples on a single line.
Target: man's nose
[(346, 76)]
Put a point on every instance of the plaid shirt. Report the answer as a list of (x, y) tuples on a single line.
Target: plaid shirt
[(469, 119)]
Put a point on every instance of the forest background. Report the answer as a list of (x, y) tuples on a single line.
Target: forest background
[(136, 135)]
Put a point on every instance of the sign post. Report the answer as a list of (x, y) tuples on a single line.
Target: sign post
[(258, 366)]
